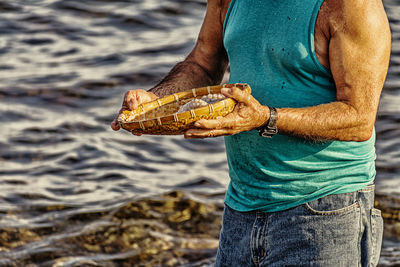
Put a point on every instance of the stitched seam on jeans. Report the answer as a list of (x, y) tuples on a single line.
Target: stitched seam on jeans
[(264, 234), (373, 241), (252, 241), (374, 233), (360, 222), (333, 212), (376, 212), (368, 188)]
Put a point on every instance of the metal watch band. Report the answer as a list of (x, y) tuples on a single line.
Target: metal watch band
[(269, 129)]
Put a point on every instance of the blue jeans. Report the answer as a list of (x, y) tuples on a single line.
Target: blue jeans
[(336, 230)]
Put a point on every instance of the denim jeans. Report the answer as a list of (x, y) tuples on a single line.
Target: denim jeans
[(336, 230)]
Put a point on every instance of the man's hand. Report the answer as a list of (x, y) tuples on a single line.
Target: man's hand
[(247, 115), (132, 99)]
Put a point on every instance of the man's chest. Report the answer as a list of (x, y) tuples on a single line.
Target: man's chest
[(273, 23)]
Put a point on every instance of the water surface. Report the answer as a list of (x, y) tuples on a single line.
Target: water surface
[(73, 192)]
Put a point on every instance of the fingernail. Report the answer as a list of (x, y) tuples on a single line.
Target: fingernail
[(197, 124)]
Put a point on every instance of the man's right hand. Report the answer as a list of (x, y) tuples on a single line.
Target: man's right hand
[(132, 99)]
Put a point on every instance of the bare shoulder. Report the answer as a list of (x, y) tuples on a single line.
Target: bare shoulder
[(356, 17), (222, 7), (217, 8), (218, 4)]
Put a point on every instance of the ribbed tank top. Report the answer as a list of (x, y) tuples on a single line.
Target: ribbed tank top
[(270, 45)]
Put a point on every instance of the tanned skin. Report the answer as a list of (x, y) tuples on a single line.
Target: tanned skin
[(352, 40)]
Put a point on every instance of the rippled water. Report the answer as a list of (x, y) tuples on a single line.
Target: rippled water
[(72, 191)]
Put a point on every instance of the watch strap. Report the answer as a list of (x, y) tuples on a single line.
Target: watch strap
[(269, 129)]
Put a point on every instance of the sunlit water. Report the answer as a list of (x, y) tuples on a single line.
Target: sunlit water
[(72, 191)]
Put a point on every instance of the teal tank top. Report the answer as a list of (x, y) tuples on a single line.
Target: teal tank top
[(270, 45)]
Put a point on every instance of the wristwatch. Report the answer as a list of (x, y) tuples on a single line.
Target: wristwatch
[(269, 129)]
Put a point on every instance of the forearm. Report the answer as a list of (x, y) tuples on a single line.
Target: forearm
[(333, 121), (184, 76)]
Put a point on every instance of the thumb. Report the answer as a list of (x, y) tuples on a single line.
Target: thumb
[(115, 125), (237, 94)]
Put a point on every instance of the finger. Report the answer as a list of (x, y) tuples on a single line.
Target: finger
[(198, 133), (135, 133), (132, 104), (237, 94), (225, 122), (115, 125), (126, 99), (134, 98), (130, 100)]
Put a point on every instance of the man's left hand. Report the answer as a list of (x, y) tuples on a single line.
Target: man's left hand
[(247, 115)]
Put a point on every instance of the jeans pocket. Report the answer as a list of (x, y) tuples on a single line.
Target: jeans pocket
[(333, 204), (377, 234)]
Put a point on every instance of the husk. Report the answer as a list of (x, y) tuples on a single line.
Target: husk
[(160, 117)]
